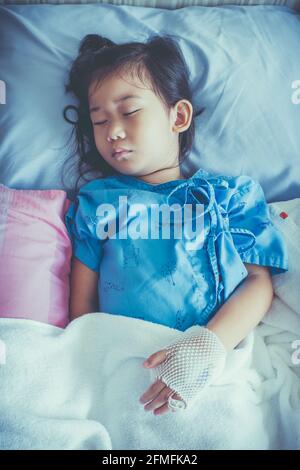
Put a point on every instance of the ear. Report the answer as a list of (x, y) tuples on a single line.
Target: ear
[(182, 116)]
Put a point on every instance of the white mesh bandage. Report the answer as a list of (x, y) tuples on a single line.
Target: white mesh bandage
[(192, 363)]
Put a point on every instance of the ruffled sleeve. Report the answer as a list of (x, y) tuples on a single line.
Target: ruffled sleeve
[(255, 237), (79, 220)]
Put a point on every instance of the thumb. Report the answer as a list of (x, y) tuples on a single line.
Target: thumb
[(155, 359)]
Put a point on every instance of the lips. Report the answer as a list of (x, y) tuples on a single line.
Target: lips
[(120, 149), (120, 153)]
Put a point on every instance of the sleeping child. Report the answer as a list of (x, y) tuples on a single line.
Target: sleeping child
[(149, 243)]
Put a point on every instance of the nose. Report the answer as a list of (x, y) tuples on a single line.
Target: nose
[(115, 131)]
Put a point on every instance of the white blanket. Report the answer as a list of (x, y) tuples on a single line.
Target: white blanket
[(78, 388)]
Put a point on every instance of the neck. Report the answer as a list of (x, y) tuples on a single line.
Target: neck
[(162, 176)]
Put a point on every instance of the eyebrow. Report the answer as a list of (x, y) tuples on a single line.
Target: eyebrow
[(122, 98)]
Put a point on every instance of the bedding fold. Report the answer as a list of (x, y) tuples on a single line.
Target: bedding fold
[(79, 387)]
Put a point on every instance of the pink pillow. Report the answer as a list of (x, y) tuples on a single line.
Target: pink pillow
[(35, 254)]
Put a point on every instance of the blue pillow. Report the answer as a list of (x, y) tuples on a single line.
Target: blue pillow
[(243, 62)]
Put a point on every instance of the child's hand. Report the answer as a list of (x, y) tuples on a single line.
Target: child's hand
[(158, 393), (186, 366)]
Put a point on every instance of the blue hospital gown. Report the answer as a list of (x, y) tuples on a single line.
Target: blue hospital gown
[(161, 280)]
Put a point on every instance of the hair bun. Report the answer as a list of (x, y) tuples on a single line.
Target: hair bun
[(93, 43)]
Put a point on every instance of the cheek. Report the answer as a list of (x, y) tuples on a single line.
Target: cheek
[(100, 144), (147, 131), (99, 139), (96, 133)]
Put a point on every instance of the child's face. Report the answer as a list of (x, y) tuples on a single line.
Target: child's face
[(150, 132)]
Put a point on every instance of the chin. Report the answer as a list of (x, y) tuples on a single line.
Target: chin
[(127, 168)]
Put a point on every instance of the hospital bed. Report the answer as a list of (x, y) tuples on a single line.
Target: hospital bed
[(76, 386)]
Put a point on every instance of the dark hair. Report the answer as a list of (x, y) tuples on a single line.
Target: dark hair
[(160, 60)]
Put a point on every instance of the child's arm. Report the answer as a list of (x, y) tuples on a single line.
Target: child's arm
[(84, 290), (245, 307), (234, 320)]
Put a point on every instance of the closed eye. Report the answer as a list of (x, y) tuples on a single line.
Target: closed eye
[(125, 114)]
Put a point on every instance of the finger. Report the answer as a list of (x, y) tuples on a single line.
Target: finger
[(155, 359), (165, 407), (162, 410), (160, 400), (176, 397), (152, 392)]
